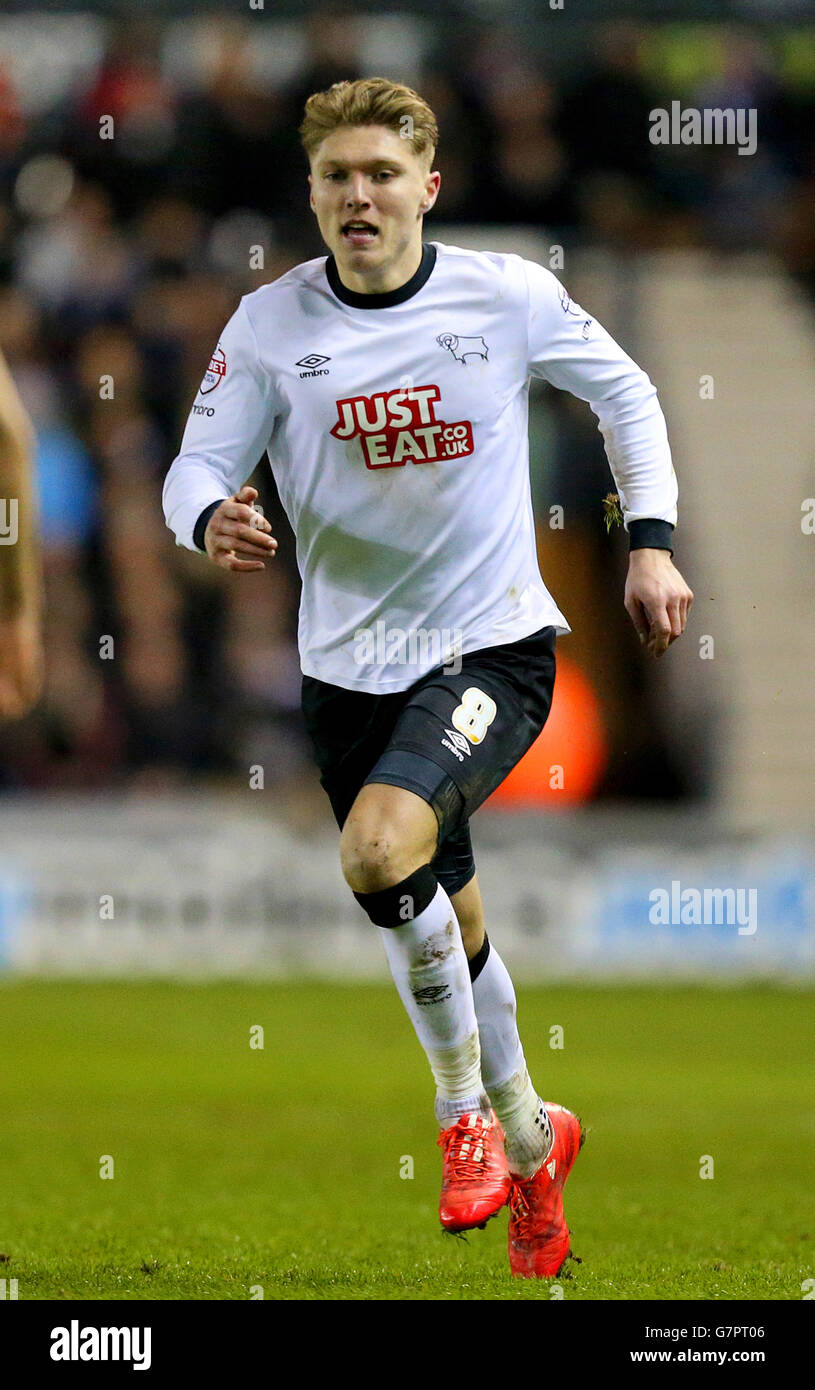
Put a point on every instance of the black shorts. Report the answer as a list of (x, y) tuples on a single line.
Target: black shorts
[(451, 739)]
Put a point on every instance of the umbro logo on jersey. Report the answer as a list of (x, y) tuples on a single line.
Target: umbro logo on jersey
[(315, 364), (457, 744), (462, 348), (551, 1167)]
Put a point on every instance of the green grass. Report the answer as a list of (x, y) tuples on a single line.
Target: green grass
[(281, 1168)]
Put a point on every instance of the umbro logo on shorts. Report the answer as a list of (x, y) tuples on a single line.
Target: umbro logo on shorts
[(457, 744)]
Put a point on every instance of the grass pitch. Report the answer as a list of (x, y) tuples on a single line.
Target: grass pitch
[(238, 1168)]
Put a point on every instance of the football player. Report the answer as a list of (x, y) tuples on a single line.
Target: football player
[(388, 382)]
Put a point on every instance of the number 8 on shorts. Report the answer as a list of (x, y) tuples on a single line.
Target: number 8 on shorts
[(474, 715)]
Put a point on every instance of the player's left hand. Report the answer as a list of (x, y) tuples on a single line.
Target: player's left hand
[(657, 599)]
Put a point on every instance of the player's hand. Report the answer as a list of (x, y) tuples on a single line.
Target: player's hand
[(21, 665), (657, 599), (237, 536)]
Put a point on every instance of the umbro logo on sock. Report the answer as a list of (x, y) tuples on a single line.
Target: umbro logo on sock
[(432, 994), (551, 1166)]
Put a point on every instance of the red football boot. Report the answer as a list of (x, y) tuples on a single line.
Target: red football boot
[(538, 1234), (475, 1177)]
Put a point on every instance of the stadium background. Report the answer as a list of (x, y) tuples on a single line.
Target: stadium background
[(159, 813)]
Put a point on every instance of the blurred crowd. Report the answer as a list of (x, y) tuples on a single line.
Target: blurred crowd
[(122, 258)]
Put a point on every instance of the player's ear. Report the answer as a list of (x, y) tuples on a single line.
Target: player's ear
[(311, 193), (431, 190)]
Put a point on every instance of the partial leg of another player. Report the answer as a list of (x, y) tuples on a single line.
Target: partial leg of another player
[(542, 1140), (387, 843)]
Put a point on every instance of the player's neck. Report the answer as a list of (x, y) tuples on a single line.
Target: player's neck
[(382, 279)]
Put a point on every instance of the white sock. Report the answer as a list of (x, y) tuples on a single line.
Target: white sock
[(430, 971), (525, 1122), (494, 997), (449, 1111), (514, 1099)]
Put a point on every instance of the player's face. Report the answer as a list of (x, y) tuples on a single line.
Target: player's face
[(370, 192)]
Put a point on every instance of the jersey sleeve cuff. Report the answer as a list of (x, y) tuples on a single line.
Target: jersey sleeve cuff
[(202, 523), (650, 534)]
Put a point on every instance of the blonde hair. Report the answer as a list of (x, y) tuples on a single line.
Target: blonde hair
[(371, 101)]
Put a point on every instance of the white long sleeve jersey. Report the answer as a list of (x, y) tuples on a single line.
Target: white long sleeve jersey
[(396, 426)]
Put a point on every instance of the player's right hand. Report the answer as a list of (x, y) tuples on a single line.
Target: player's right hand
[(237, 535)]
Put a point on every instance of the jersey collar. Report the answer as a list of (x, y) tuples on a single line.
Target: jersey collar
[(383, 301)]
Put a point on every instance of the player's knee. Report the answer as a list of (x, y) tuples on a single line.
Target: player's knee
[(371, 859), (388, 834)]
